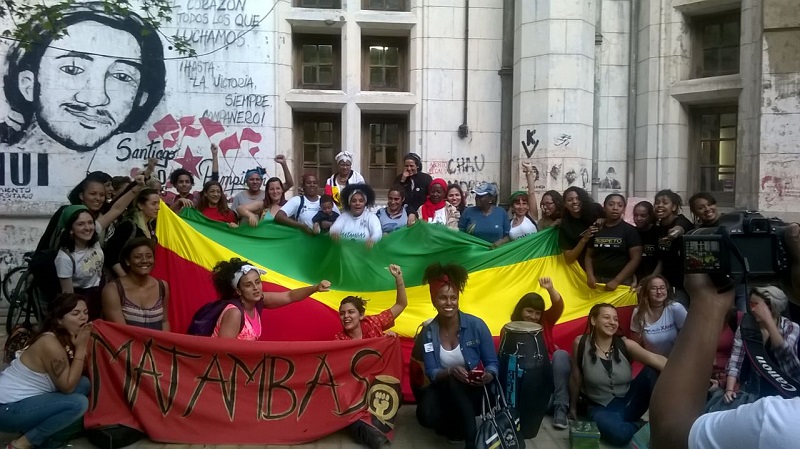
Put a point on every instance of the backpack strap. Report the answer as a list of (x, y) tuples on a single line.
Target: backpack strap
[(300, 208), (762, 363)]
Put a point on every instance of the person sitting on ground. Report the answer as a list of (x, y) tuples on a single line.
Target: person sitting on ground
[(140, 223), (214, 205), (601, 374), (274, 199), (644, 218), (657, 320), (485, 220), (459, 358), (523, 217), (79, 261), (396, 214), (780, 335), (703, 206), (579, 223), (456, 197), (299, 211), (615, 250), (530, 308), (414, 181), (137, 299), (552, 206), (357, 222), (238, 280), (436, 209), (356, 326), (326, 217), (344, 176), (43, 391), (676, 409), (671, 227)]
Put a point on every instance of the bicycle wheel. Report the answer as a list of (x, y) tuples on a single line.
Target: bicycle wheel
[(11, 280), (22, 308)]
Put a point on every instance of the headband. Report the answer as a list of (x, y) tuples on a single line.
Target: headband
[(242, 271), (68, 212), (414, 157), (258, 170), (436, 284), (344, 156), (353, 193)]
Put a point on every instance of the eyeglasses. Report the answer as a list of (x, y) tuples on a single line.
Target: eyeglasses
[(658, 289)]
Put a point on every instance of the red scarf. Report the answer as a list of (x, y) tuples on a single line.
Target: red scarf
[(429, 209), (436, 284)]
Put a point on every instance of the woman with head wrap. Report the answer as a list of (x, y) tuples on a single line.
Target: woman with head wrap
[(485, 220), (436, 209), (356, 222), (459, 358), (254, 179), (414, 181), (343, 177)]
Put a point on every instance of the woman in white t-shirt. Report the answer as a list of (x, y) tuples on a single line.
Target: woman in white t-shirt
[(356, 222), (657, 319), (522, 215), (79, 262)]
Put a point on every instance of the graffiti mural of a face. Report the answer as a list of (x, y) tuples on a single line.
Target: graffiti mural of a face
[(81, 99), (105, 76)]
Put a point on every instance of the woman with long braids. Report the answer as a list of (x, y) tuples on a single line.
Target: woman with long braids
[(43, 391), (459, 358), (602, 376), (671, 227), (238, 281)]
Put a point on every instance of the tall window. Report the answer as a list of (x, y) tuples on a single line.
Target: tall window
[(385, 64), (326, 4), (385, 5), (717, 153), (317, 139), (718, 47), (385, 140), (317, 62)]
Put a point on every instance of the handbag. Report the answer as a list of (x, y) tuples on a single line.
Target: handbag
[(114, 436), (500, 427)]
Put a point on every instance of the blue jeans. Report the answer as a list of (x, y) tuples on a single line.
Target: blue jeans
[(42, 416), (618, 421), (561, 371)]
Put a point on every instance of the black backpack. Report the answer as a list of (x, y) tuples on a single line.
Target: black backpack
[(43, 268), (205, 319)]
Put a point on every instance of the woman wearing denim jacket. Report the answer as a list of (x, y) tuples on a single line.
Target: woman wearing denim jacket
[(459, 359)]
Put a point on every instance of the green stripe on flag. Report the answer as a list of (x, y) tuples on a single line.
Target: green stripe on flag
[(351, 266)]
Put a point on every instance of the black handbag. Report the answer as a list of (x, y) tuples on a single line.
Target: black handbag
[(114, 436), (500, 427)]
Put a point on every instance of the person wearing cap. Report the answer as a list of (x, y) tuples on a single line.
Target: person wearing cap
[(414, 181), (436, 209), (237, 280), (523, 221), (343, 177), (485, 220), (356, 222)]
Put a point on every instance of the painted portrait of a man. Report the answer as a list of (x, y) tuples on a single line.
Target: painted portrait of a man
[(103, 77)]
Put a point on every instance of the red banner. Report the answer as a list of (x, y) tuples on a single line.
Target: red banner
[(185, 389)]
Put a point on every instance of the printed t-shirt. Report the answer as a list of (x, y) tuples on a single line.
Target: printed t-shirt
[(527, 227), (372, 326), (611, 245), (390, 223), (649, 261), (88, 269), (310, 208), (659, 337), (364, 227)]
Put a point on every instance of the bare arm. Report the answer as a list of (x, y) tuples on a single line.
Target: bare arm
[(571, 255), (287, 174), (533, 210), (251, 211), (121, 204), (66, 285), (273, 300), (644, 356), (231, 323), (112, 304), (214, 162), (589, 267), (501, 242), (680, 394), (284, 219), (118, 270), (65, 375), (165, 323), (401, 300)]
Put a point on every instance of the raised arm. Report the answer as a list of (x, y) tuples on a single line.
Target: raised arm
[(214, 162), (273, 300), (287, 174), (533, 210), (679, 397), (121, 203), (401, 300)]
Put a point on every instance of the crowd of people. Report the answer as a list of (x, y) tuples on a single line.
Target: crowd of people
[(105, 243)]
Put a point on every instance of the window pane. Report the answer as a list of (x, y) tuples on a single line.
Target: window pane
[(325, 54), (391, 157), (727, 153), (309, 74), (375, 56), (309, 53), (393, 5), (326, 126), (729, 60), (727, 120), (727, 133), (730, 33), (326, 154), (392, 134), (392, 77), (309, 153), (392, 56), (376, 77), (710, 126), (326, 75), (711, 35), (711, 61), (374, 133)]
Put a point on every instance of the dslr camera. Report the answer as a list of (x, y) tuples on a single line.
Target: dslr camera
[(744, 243)]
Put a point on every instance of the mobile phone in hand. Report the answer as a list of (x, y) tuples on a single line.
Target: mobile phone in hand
[(475, 375)]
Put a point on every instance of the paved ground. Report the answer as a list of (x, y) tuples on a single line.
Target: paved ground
[(408, 435)]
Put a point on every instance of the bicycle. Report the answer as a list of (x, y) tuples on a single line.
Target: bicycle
[(24, 304)]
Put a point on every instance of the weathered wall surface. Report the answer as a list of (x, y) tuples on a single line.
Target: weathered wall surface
[(780, 108)]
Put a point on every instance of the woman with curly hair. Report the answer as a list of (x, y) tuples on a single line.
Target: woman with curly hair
[(552, 206), (239, 282), (671, 227), (644, 218), (579, 222), (602, 376), (657, 319), (214, 205), (43, 391), (356, 222), (459, 358)]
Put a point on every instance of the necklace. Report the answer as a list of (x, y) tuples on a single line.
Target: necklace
[(607, 353)]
